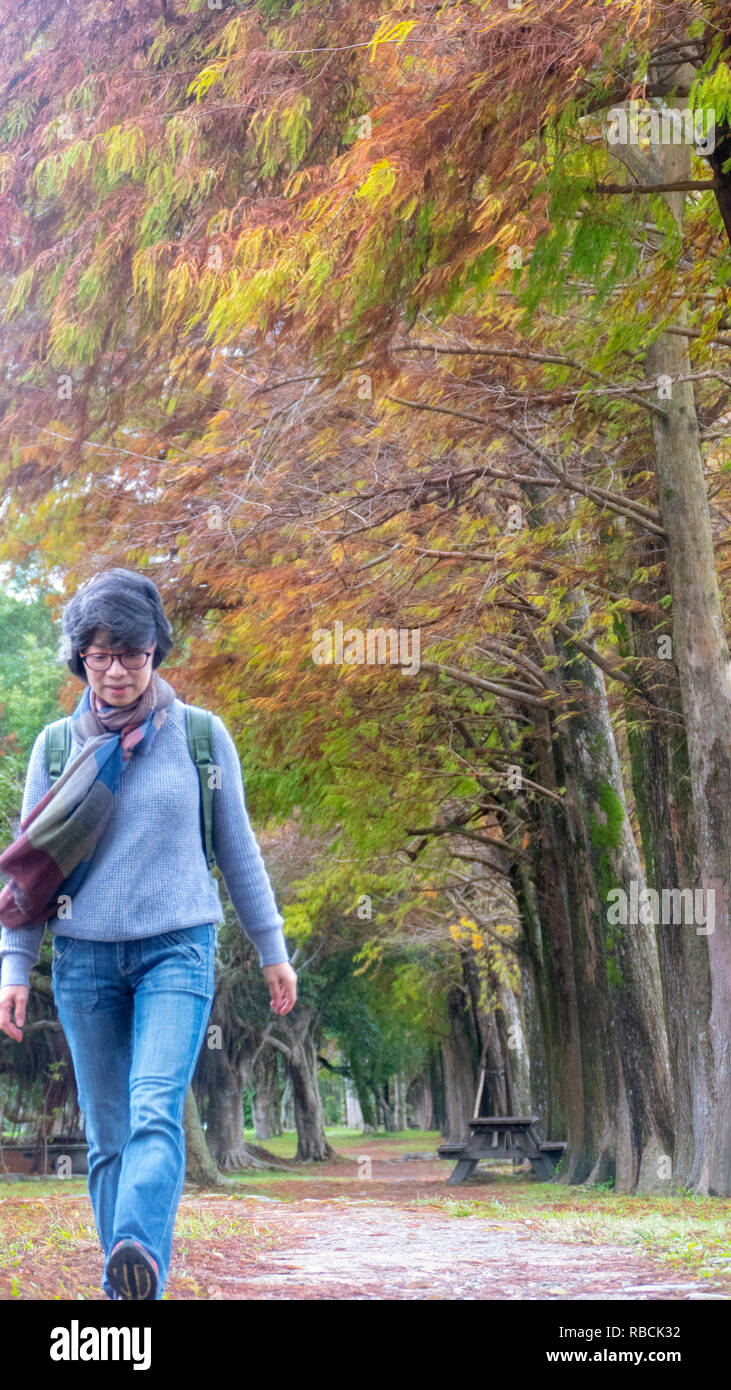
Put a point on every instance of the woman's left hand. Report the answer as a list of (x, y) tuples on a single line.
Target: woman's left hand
[(282, 982)]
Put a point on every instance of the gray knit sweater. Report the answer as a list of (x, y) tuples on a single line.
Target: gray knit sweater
[(148, 873)]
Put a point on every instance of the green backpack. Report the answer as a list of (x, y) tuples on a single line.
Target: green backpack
[(199, 728)]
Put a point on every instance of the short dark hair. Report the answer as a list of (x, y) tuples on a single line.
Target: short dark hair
[(127, 605)]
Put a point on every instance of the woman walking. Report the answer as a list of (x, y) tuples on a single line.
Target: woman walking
[(111, 858)]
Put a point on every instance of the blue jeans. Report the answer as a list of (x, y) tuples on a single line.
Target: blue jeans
[(134, 1014)]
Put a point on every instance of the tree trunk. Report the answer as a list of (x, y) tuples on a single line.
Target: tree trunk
[(225, 1119), (594, 1160), (620, 995), (495, 1096), (701, 652), (309, 1116), (419, 1101), (546, 898), (511, 1027), (400, 1087), (266, 1107), (225, 1128), (436, 1089), (663, 796), (200, 1167), (494, 1099), (533, 1043), (459, 1076), (286, 1108), (363, 1092), (388, 1111)]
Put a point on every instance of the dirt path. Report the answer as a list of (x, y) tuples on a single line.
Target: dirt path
[(339, 1248), (333, 1234)]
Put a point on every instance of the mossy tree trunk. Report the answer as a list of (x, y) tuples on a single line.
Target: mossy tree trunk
[(700, 650), (546, 896), (200, 1167), (624, 1041), (663, 796)]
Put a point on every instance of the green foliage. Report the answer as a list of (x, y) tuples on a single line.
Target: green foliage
[(607, 834), (711, 91), (30, 680)]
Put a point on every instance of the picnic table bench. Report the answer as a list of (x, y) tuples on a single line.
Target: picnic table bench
[(503, 1136)]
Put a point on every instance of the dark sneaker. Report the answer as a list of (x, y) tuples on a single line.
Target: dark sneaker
[(131, 1271)]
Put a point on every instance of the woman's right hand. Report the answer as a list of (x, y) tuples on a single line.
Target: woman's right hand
[(13, 998)]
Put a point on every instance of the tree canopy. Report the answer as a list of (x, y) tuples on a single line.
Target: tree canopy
[(323, 316)]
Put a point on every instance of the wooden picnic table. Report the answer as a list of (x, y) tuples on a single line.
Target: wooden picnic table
[(503, 1136)]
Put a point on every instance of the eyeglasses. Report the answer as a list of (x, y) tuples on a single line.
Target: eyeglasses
[(101, 661)]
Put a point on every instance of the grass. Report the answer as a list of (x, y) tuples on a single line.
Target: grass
[(687, 1233), (351, 1142), (60, 1234)]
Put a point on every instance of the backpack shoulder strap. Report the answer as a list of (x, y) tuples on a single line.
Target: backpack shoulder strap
[(199, 726), (57, 746)]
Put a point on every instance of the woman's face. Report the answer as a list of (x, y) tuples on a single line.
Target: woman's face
[(116, 686)]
